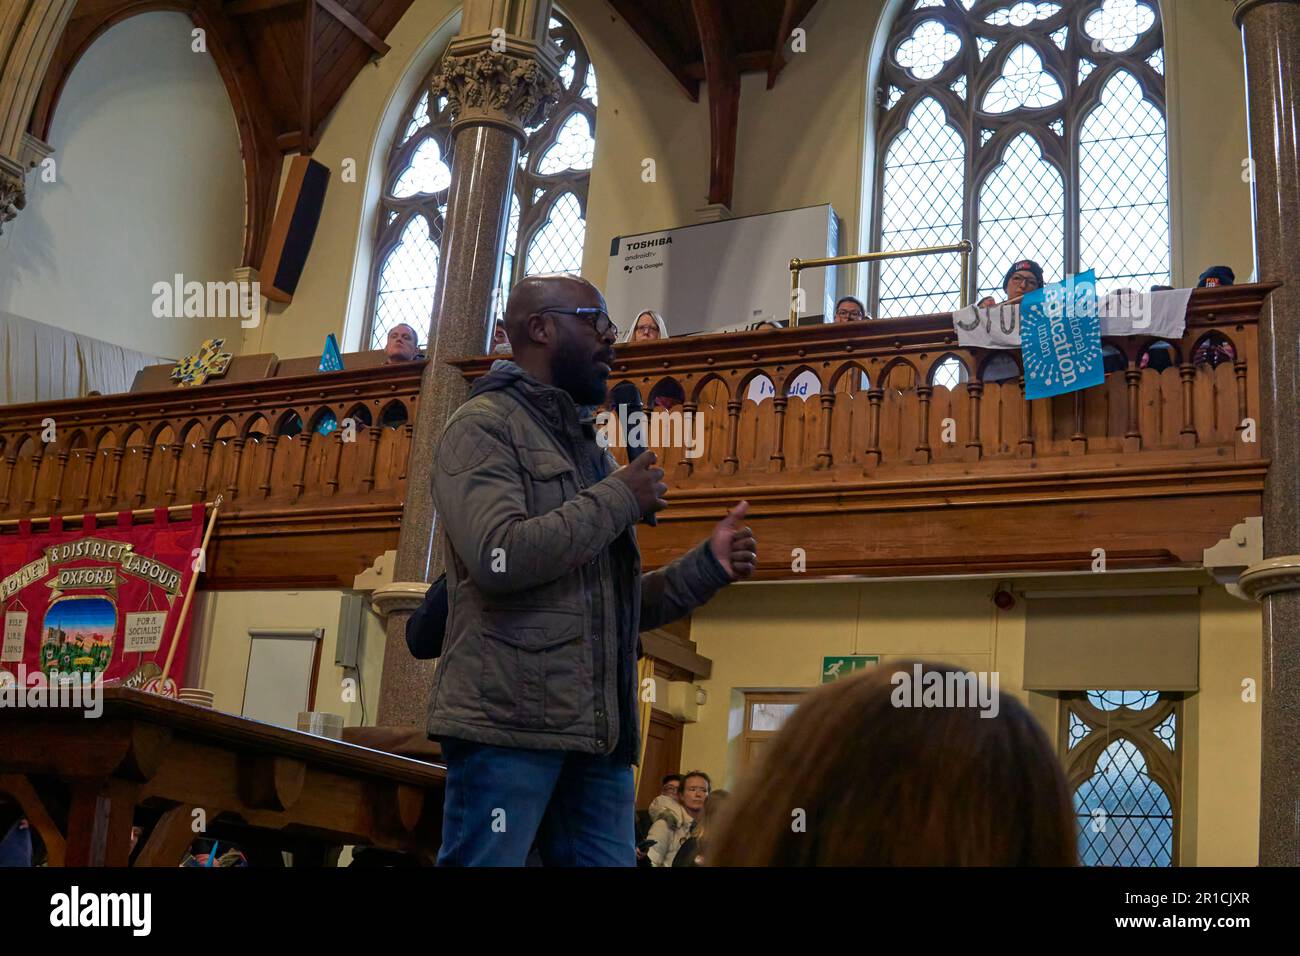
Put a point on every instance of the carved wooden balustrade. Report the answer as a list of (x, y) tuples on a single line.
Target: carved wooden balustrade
[(886, 470), (303, 504)]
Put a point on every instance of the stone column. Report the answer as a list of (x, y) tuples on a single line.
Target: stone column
[(499, 75), (1271, 37), (29, 33)]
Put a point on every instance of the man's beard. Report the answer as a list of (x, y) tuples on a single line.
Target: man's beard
[(576, 370)]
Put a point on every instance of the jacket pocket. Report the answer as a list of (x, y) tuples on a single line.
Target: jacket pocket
[(535, 668), (550, 480)]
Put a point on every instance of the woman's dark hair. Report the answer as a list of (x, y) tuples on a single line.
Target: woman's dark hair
[(853, 780), (851, 298)]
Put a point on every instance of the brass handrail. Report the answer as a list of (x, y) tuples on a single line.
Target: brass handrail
[(798, 265)]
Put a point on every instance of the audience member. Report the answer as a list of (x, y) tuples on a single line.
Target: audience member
[(1023, 277), (670, 827), (403, 345), (849, 309), (1216, 276), (694, 851), (669, 786), (879, 784), (648, 327), (500, 342)]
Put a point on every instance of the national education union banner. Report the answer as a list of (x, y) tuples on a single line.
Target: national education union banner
[(1060, 335), (100, 602)]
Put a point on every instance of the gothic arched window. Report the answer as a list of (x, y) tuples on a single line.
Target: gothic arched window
[(1122, 753), (1035, 129), (548, 209)]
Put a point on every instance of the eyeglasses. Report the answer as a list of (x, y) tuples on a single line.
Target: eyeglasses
[(1030, 281), (848, 313), (599, 319)]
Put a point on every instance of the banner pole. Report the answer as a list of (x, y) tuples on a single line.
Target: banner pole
[(189, 591)]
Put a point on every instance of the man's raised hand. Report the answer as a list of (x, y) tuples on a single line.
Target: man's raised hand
[(646, 481), (734, 545)]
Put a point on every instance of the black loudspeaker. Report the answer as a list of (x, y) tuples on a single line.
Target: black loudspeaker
[(294, 228)]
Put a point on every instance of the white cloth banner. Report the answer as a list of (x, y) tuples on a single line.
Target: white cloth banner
[(40, 363), (1162, 315)]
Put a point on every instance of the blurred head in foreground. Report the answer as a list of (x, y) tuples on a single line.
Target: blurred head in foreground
[(877, 778)]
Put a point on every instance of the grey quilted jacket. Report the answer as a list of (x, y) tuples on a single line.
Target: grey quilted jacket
[(544, 576)]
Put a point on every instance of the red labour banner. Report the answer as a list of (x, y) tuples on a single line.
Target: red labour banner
[(99, 601)]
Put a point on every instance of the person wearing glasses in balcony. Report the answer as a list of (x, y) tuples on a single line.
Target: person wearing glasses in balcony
[(849, 309), (648, 327), (535, 697), (1023, 277)]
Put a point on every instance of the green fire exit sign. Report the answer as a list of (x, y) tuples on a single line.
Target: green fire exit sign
[(833, 668)]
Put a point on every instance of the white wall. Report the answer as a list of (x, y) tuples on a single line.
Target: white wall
[(220, 645), (149, 183)]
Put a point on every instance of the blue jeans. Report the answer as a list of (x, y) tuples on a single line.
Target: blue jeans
[(576, 807)]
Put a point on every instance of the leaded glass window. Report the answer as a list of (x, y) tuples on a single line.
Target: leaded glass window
[(1122, 751), (547, 227), (1035, 128)]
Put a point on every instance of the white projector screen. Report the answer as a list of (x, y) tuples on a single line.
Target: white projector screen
[(723, 275)]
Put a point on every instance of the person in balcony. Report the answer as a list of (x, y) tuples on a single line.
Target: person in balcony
[(1216, 276), (403, 345), (849, 309), (1023, 277), (648, 327), (500, 341)]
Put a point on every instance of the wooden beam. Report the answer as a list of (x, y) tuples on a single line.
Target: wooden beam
[(656, 38), (308, 76), (754, 61), (664, 647), (333, 8), (242, 8), (791, 16), (724, 98)]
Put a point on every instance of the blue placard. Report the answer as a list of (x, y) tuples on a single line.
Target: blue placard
[(1060, 337), (330, 359)]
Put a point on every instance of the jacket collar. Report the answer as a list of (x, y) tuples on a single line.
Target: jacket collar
[(554, 406)]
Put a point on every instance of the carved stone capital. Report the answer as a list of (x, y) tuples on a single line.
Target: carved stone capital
[(1271, 576), (13, 196), (497, 88), (398, 596)]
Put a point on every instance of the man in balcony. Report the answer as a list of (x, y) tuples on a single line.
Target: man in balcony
[(1023, 277), (535, 697), (403, 345), (849, 309)]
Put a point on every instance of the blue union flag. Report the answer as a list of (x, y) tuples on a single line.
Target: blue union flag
[(1060, 337), (330, 359)]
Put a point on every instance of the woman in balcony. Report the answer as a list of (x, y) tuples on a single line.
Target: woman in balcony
[(648, 327)]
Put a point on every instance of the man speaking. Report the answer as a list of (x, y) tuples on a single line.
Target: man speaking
[(535, 695)]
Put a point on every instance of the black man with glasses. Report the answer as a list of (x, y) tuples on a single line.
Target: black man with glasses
[(535, 697)]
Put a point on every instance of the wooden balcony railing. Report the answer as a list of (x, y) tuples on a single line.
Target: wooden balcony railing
[(302, 505), (883, 471)]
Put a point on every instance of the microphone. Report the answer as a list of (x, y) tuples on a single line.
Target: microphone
[(626, 399)]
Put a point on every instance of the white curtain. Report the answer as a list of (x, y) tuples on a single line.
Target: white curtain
[(40, 363)]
